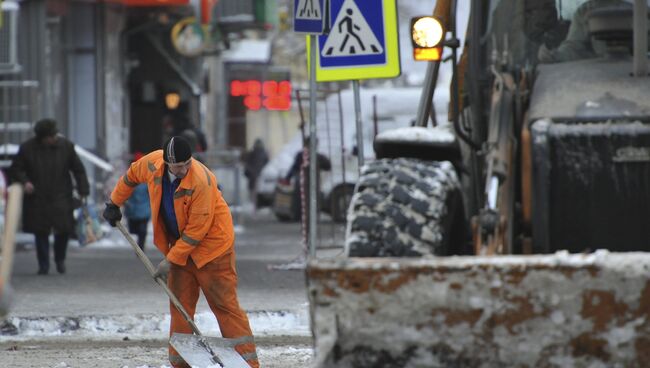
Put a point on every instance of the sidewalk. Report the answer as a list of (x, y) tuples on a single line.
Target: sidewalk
[(107, 298)]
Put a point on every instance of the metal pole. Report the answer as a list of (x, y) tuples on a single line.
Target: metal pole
[(426, 98), (237, 170), (6, 117), (640, 38), (313, 146), (357, 114), (375, 123), (342, 136)]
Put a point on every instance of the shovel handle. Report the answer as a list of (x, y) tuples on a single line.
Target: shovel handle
[(14, 206), (152, 271)]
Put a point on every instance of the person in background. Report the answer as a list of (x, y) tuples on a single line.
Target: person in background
[(200, 144), (254, 162), (579, 44), (137, 210), (169, 127), (323, 163), (43, 165), (193, 228)]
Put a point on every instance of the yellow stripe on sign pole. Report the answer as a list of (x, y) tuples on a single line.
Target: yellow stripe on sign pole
[(362, 42)]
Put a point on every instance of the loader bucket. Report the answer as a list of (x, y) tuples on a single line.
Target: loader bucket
[(556, 310)]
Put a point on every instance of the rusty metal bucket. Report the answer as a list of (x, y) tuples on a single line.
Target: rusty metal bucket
[(553, 310)]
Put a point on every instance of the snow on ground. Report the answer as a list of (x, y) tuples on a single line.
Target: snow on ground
[(130, 355), (284, 340), (150, 326)]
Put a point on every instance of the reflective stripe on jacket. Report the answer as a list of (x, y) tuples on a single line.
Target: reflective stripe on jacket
[(204, 219)]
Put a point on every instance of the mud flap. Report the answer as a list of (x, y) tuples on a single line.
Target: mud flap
[(553, 310), (193, 350)]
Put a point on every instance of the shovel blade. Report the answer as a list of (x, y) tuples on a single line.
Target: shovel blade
[(192, 349)]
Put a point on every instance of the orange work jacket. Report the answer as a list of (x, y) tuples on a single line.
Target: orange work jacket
[(203, 217)]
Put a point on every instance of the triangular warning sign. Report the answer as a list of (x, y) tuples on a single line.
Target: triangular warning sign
[(351, 35), (308, 10)]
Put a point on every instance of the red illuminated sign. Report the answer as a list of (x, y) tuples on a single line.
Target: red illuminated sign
[(272, 95), (206, 10)]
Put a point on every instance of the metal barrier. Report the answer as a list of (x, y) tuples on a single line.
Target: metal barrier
[(19, 108), (227, 167)]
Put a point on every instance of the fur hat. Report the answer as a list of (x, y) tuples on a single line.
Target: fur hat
[(176, 150), (45, 128)]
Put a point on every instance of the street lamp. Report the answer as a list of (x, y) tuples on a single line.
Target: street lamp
[(172, 100)]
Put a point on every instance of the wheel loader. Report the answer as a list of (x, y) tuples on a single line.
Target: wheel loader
[(523, 240)]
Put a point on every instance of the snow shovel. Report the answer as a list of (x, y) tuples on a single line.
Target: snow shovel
[(197, 350)]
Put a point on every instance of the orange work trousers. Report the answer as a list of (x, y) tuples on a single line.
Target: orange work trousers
[(218, 281)]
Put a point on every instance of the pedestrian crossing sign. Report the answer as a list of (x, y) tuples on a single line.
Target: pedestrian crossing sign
[(362, 42), (309, 16)]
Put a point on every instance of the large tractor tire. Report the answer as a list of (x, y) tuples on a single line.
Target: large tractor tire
[(406, 208)]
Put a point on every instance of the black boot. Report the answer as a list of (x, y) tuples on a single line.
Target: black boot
[(60, 267), (60, 247)]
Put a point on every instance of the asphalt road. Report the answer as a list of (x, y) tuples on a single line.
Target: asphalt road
[(104, 280)]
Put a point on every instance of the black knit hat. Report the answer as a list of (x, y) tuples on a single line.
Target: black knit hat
[(176, 150), (45, 128)]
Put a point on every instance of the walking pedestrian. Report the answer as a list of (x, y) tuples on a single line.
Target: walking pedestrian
[(43, 165), (254, 162), (193, 228), (138, 211)]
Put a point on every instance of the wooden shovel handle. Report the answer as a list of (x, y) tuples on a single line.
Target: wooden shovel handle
[(12, 217), (152, 270)]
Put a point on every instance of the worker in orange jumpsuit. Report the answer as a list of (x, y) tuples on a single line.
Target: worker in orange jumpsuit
[(193, 228)]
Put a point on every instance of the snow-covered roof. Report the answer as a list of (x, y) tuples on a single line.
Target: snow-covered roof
[(441, 133), (248, 51)]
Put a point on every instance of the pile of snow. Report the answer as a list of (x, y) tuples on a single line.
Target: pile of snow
[(148, 326)]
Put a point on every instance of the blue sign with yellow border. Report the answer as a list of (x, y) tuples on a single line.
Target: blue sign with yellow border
[(309, 16), (362, 42)]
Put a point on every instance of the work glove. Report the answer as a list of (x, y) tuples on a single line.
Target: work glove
[(112, 213), (162, 270)]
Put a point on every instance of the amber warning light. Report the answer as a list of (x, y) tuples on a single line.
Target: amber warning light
[(272, 95), (427, 35)]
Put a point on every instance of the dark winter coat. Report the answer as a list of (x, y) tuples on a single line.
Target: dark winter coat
[(254, 162), (48, 168), (323, 162)]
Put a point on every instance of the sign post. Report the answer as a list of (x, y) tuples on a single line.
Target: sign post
[(309, 16), (313, 158), (358, 123), (362, 44)]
